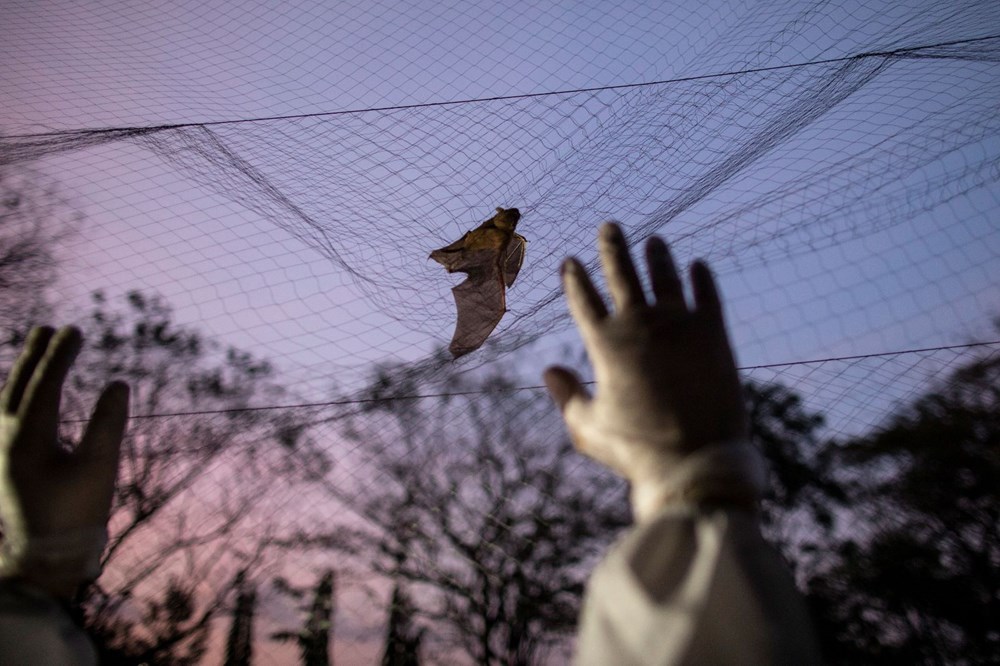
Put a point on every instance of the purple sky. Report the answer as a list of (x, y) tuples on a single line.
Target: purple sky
[(230, 270)]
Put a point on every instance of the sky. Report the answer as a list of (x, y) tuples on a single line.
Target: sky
[(869, 229), (150, 225)]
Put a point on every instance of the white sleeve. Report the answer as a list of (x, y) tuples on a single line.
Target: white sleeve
[(35, 629), (694, 587)]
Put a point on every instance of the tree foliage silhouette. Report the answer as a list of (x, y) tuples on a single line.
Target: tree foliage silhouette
[(34, 220), (239, 644), (493, 527), (919, 583), (403, 637), (178, 507), (314, 638)]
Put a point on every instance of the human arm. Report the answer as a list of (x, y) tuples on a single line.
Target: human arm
[(668, 414), (693, 582), (54, 502)]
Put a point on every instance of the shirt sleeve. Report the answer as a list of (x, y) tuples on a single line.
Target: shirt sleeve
[(35, 629), (694, 587)]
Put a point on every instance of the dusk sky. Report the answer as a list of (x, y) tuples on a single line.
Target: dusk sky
[(847, 208), (392, 185)]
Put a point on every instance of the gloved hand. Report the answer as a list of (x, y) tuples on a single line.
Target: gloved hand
[(668, 414), (54, 503)]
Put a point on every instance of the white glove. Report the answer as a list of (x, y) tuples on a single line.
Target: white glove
[(669, 413), (54, 504)]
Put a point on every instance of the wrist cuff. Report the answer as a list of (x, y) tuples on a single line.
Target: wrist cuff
[(725, 474), (69, 557)]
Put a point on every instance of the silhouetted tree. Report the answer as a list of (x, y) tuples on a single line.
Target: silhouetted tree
[(317, 630), (34, 222), (797, 512), (492, 523), (174, 631), (178, 516), (177, 509), (403, 637), (918, 580), (239, 646)]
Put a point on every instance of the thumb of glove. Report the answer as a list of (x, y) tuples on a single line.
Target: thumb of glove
[(576, 405), (564, 386)]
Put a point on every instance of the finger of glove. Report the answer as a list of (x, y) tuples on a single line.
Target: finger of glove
[(40, 406), (101, 444), (666, 283), (706, 295), (24, 368), (623, 281), (585, 304)]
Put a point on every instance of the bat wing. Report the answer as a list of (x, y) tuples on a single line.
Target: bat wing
[(454, 257), (480, 301), (513, 258)]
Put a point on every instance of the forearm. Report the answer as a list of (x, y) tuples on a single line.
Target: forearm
[(38, 578), (694, 586), (36, 629)]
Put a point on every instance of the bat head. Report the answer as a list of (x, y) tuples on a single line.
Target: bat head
[(506, 218)]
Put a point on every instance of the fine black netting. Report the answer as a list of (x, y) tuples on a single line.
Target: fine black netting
[(836, 165), (744, 170)]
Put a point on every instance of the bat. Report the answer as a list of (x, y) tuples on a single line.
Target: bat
[(491, 256)]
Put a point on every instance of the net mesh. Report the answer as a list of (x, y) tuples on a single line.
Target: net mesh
[(836, 164)]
